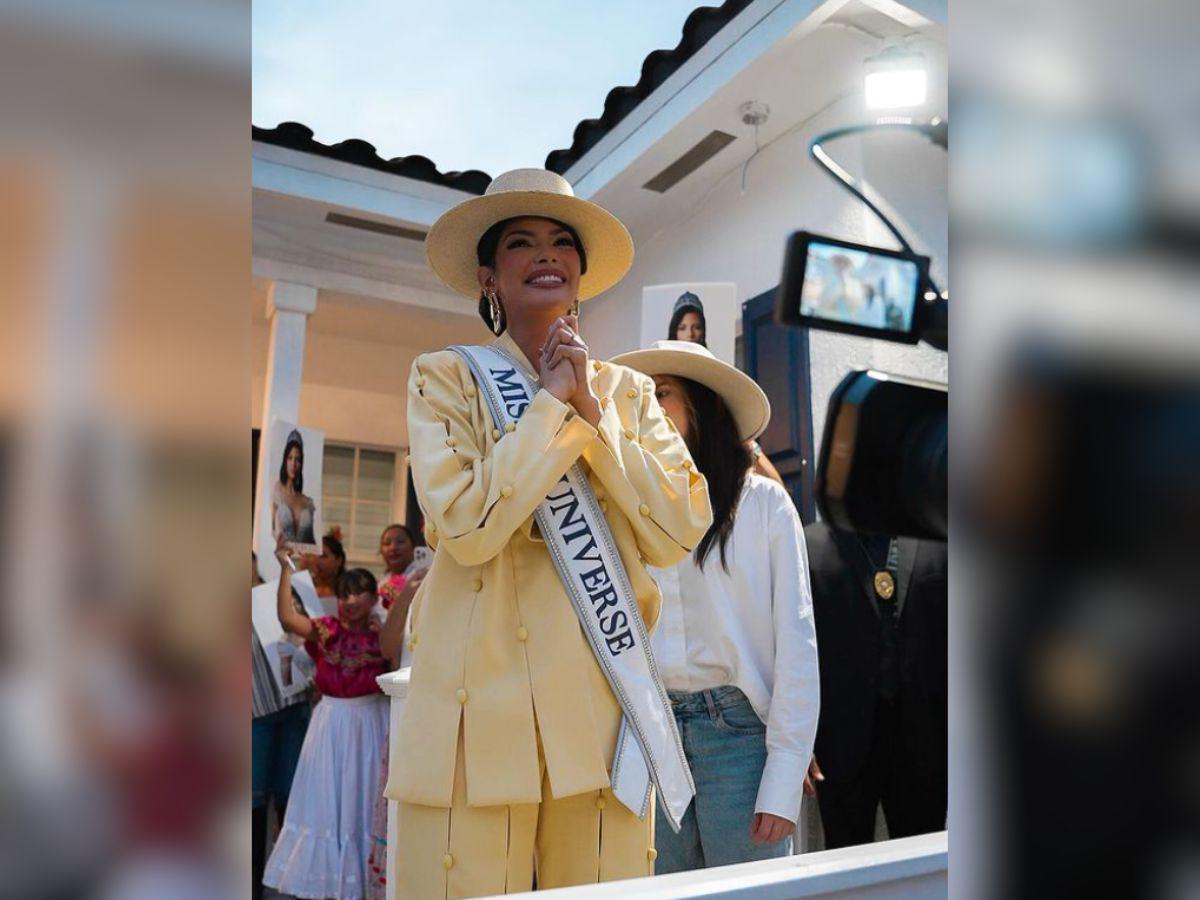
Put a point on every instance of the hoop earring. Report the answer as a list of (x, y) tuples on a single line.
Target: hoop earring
[(494, 309)]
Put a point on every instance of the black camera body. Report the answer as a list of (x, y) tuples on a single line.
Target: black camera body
[(882, 468)]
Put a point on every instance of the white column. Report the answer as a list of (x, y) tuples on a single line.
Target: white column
[(65, 412), (288, 307)]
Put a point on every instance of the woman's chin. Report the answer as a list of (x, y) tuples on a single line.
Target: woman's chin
[(544, 300)]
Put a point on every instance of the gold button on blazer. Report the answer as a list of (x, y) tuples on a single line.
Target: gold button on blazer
[(514, 645)]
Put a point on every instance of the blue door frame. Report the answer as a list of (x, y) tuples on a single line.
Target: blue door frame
[(776, 356)]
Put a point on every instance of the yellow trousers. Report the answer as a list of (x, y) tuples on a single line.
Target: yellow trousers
[(469, 851)]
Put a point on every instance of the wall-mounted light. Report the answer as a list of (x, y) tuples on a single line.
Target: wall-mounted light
[(754, 114), (895, 79)]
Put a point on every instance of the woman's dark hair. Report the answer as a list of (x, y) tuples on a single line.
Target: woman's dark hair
[(335, 548), (293, 441), (485, 252), (677, 317), (412, 540), (721, 457), (356, 581)]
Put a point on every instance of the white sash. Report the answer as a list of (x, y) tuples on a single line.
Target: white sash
[(586, 557)]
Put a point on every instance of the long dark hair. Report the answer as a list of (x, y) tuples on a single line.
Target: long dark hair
[(293, 441), (721, 457), (677, 317), (485, 252), (335, 548)]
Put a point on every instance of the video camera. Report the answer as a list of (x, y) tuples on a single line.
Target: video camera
[(883, 461), (882, 467)]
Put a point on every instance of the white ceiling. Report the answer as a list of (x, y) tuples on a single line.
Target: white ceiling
[(294, 230)]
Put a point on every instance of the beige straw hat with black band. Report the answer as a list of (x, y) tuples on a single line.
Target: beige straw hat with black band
[(453, 240), (750, 407)]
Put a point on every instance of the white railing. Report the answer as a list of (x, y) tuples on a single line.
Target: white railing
[(910, 868), (395, 685)]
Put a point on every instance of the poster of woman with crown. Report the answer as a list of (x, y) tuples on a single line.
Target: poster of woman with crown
[(293, 485)]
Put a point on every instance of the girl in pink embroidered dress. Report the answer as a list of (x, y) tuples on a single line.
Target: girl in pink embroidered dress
[(348, 658), (325, 842)]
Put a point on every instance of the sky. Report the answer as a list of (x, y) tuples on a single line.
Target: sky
[(471, 85)]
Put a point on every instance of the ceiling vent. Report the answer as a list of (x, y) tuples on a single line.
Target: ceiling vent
[(411, 234), (708, 147)]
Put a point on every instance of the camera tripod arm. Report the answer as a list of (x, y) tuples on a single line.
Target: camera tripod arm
[(936, 130)]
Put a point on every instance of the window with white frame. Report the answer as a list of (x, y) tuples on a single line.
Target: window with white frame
[(358, 492)]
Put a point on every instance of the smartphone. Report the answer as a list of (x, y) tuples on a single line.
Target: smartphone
[(422, 560), (835, 285)]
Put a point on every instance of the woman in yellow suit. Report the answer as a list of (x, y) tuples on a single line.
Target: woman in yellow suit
[(503, 757)]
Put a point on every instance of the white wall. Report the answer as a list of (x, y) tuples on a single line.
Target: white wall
[(740, 238), (353, 389)]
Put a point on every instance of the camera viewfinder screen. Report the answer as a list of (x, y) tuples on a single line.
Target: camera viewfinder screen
[(859, 288)]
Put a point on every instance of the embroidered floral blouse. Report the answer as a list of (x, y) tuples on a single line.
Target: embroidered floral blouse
[(348, 662)]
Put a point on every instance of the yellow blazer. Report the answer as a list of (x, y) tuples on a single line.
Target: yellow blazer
[(495, 638)]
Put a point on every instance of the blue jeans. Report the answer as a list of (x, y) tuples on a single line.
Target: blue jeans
[(726, 746), (275, 742)]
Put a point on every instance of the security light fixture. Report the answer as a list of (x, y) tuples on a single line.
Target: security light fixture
[(754, 113), (895, 79)]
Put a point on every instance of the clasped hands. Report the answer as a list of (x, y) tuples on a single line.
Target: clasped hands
[(564, 362)]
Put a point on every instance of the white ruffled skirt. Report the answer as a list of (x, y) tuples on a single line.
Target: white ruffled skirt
[(325, 841)]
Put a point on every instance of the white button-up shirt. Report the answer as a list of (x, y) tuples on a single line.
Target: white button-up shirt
[(751, 627)]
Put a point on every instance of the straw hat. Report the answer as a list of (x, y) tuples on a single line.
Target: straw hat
[(451, 243), (750, 407)]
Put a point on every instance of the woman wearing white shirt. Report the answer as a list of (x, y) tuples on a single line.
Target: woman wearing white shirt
[(735, 644)]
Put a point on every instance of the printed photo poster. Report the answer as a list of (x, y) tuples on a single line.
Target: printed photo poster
[(290, 498), (290, 663), (721, 308)]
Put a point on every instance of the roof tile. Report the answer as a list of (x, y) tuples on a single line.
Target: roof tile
[(295, 136), (702, 24)]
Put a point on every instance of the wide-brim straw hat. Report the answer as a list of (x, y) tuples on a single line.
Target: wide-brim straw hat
[(452, 242), (750, 407)]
